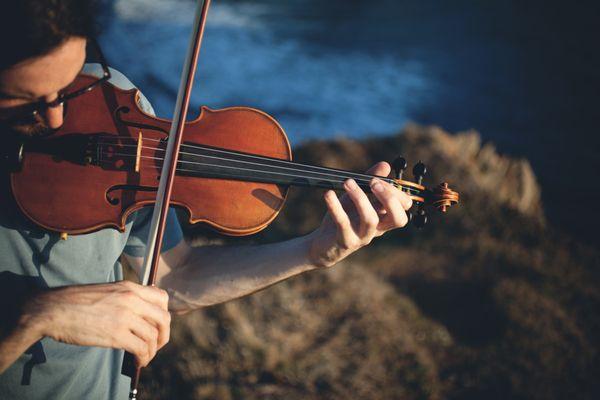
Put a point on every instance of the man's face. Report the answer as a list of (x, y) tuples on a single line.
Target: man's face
[(35, 80)]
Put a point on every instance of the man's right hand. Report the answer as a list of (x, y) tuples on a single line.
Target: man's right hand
[(121, 315)]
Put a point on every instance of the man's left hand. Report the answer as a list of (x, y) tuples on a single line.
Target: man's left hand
[(354, 219)]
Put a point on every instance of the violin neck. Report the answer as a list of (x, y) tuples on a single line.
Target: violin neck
[(210, 162)]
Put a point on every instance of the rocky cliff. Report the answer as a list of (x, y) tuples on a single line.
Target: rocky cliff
[(488, 301)]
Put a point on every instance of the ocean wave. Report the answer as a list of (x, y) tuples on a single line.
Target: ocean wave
[(180, 12)]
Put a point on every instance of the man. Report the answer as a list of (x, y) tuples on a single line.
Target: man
[(67, 314)]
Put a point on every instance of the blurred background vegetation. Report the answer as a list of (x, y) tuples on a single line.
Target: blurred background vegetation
[(499, 298)]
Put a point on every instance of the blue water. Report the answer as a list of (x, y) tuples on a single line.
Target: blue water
[(524, 74)]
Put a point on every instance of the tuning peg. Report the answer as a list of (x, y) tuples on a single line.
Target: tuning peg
[(399, 165), (419, 171), (420, 219)]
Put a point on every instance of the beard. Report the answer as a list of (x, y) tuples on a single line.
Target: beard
[(29, 128), (14, 135)]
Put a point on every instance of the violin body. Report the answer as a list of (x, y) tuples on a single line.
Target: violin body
[(98, 169)]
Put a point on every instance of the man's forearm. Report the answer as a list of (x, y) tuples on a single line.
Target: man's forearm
[(198, 277), (215, 274)]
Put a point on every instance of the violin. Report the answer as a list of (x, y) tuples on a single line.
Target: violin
[(233, 173)]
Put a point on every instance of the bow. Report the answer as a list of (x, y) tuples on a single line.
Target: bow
[(161, 207)]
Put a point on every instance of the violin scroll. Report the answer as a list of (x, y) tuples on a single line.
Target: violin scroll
[(444, 197), (441, 197)]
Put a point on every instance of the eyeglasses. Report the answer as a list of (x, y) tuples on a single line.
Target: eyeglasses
[(31, 110)]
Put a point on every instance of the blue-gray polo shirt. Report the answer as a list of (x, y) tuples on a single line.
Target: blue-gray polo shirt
[(32, 256)]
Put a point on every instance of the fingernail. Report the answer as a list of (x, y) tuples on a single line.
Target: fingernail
[(351, 183), (377, 187)]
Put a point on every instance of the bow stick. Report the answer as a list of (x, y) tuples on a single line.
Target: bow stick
[(165, 186)]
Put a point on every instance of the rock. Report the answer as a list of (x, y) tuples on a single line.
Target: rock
[(488, 301), (476, 167)]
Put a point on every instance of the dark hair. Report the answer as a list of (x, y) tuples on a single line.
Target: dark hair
[(31, 28)]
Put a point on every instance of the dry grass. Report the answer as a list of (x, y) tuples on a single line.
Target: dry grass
[(489, 302)]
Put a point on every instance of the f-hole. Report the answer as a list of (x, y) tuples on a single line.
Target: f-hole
[(119, 116), (115, 201)]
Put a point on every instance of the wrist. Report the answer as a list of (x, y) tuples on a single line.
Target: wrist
[(306, 243), (36, 318), (314, 257)]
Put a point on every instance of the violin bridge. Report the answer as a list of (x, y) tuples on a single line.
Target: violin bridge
[(138, 155)]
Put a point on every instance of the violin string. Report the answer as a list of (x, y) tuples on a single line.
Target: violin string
[(238, 154), (339, 179), (179, 169), (332, 181), (334, 173), (270, 163), (330, 171), (366, 182)]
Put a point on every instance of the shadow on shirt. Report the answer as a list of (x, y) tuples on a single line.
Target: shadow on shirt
[(14, 292)]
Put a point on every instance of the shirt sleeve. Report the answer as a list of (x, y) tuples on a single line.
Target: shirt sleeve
[(136, 243)]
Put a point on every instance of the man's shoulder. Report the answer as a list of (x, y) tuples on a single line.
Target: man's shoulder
[(119, 79)]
